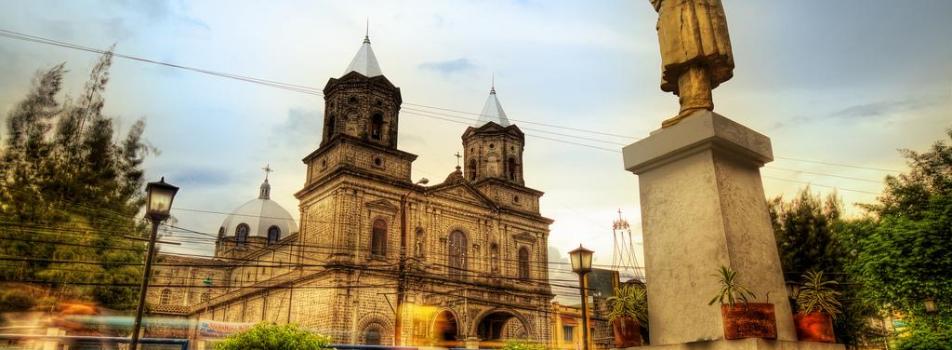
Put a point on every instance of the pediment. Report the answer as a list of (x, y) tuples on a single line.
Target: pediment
[(466, 193), (524, 236), (383, 204)]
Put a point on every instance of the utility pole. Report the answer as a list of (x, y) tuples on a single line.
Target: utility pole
[(401, 272), (402, 266)]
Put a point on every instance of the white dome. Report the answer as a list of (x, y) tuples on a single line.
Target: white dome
[(260, 214)]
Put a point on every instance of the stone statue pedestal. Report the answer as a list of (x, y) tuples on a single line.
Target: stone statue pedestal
[(703, 206)]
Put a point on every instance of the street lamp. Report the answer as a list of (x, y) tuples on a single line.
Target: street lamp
[(402, 266), (931, 308), (158, 203), (582, 264)]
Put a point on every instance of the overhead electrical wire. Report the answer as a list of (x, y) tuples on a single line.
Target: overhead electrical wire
[(315, 91)]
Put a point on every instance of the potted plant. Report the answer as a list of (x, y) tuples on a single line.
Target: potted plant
[(743, 319), (628, 309), (817, 306)]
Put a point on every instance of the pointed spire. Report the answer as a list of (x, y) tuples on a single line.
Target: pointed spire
[(492, 109), (365, 62)]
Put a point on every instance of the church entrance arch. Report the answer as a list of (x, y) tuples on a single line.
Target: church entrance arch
[(446, 330), (500, 324)]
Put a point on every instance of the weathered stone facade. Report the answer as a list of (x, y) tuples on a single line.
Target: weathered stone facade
[(460, 261)]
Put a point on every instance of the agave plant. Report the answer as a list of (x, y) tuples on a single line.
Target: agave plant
[(731, 292), (817, 294), (629, 300)]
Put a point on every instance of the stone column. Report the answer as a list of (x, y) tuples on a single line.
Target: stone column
[(703, 206)]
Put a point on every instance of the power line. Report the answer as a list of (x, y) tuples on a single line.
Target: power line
[(315, 91)]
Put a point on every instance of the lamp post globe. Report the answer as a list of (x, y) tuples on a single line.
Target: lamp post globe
[(581, 260), (930, 306), (159, 199)]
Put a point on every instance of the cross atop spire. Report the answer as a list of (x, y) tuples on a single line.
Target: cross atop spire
[(492, 89), (267, 171), (458, 157), (367, 32)]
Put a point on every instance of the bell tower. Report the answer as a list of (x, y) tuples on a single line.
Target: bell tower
[(493, 147), (361, 119), (362, 103)]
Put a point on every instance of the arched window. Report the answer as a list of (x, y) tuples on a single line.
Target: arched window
[(241, 233), (378, 238), (494, 257), (513, 169), (165, 297), (376, 126), (457, 249), (329, 128), (471, 169), (274, 233), (420, 242), (524, 263), (221, 232), (372, 335)]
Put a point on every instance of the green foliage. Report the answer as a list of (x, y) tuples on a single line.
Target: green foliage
[(817, 294), (516, 345), (266, 336), (925, 337), (905, 254), (16, 300), (69, 188), (730, 289), (803, 228), (812, 236), (629, 300)]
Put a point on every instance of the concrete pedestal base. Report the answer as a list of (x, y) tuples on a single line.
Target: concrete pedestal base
[(745, 344), (702, 207)]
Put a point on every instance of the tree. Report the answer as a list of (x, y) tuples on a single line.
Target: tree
[(70, 193), (266, 336), (904, 255), (803, 229), (811, 235)]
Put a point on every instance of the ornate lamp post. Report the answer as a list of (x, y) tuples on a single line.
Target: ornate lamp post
[(582, 264), (158, 204)]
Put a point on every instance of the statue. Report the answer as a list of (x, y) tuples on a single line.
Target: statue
[(695, 52)]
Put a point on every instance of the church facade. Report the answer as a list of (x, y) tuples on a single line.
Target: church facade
[(377, 257)]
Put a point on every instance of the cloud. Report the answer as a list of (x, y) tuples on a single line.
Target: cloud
[(884, 108), (302, 124), (869, 111), (202, 177), (459, 65)]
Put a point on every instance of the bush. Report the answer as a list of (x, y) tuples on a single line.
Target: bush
[(926, 338), (514, 345), (266, 336), (15, 300)]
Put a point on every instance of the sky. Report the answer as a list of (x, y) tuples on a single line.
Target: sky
[(844, 82)]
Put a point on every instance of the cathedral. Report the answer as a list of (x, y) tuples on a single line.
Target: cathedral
[(378, 258)]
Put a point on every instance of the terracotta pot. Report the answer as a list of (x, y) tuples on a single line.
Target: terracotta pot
[(753, 320), (814, 326), (627, 332)]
